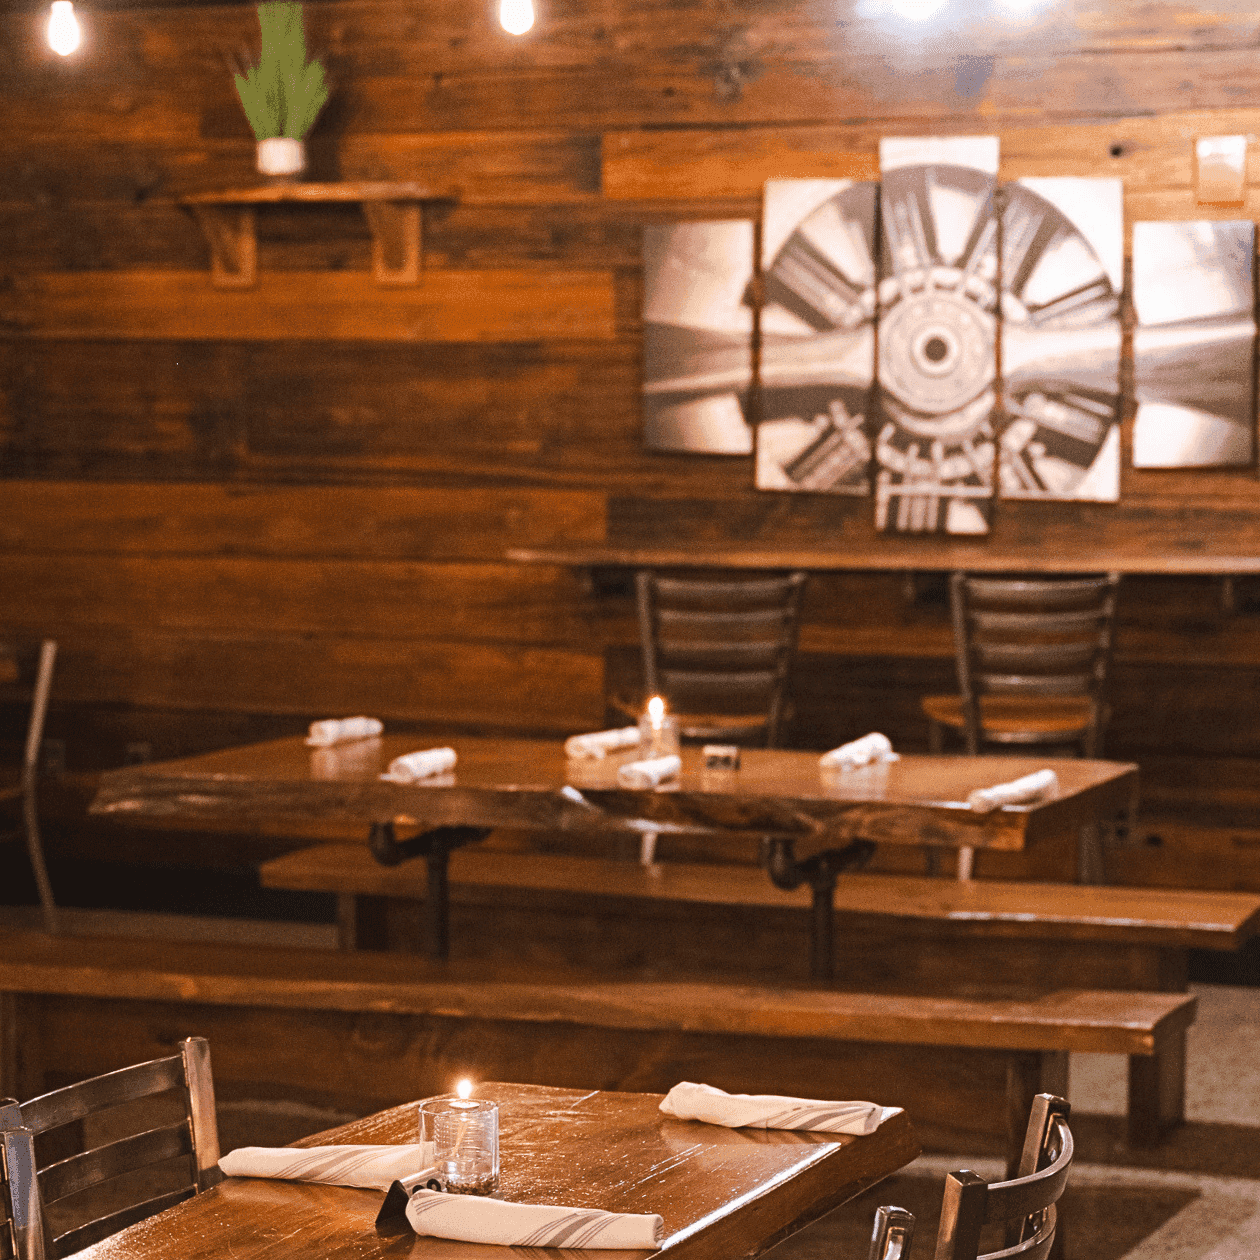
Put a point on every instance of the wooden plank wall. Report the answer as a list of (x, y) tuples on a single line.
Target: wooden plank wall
[(241, 510)]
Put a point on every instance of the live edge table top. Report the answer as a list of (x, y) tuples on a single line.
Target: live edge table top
[(720, 1192), (531, 784)]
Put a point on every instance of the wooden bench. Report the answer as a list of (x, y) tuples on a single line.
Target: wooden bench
[(366, 1030), (926, 934)]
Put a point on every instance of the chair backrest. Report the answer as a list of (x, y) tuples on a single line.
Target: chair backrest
[(892, 1235), (1025, 1205), (21, 1220), (27, 667), (1032, 636), (721, 646), (194, 1139)]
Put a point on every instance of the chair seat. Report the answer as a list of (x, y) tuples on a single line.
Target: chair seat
[(1016, 719)]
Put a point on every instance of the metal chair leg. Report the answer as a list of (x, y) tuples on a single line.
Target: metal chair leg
[(35, 850)]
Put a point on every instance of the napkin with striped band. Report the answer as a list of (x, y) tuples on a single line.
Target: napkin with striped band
[(860, 752), (368, 1167), (1032, 787), (420, 765), (598, 744), (339, 730), (688, 1101), (471, 1218)]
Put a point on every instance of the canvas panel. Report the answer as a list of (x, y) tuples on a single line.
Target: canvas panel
[(1062, 277), (697, 337), (817, 336), (934, 448), (1193, 344)]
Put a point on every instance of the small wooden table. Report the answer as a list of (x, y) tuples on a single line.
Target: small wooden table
[(721, 1192), (801, 811)]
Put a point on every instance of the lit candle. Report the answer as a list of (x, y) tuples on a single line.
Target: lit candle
[(656, 712)]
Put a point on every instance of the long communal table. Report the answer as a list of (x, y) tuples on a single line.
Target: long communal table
[(720, 1192), (812, 823)]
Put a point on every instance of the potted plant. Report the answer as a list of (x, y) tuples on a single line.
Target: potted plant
[(283, 92)]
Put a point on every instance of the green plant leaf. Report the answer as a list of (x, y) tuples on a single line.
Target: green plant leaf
[(283, 93)]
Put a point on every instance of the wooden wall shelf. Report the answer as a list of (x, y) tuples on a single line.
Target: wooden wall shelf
[(393, 213)]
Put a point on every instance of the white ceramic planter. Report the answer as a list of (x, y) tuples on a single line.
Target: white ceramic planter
[(281, 156)]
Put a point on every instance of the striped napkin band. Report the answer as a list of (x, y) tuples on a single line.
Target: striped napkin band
[(369, 1167), (688, 1101), (470, 1218)]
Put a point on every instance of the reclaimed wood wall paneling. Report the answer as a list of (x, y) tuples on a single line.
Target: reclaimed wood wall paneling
[(320, 522)]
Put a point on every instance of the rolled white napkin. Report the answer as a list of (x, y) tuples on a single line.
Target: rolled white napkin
[(688, 1101), (368, 1167), (420, 765), (339, 730), (1032, 787), (471, 1218), (646, 774), (599, 743), (860, 752)]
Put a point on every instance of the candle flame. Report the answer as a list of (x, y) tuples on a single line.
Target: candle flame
[(464, 1088), (656, 710)]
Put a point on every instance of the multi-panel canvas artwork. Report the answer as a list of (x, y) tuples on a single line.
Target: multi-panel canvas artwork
[(1193, 344), (897, 356), (937, 329), (697, 337), (817, 336), (1062, 277)]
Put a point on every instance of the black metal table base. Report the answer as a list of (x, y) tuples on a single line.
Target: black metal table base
[(820, 873), (435, 847)]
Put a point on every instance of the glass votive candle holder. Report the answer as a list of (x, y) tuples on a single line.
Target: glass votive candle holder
[(658, 736), (465, 1137)]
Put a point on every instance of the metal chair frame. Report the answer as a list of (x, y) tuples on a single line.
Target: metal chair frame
[(1026, 1205), (725, 634), (196, 1137), (27, 787), (892, 1235), (1035, 638)]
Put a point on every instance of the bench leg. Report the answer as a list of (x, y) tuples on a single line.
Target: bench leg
[(1157, 1091)]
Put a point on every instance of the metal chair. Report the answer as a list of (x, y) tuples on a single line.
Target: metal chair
[(1024, 1205), (718, 647), (195, 1138), (892, 1235), (32, 670), (21, 1219), (1032, 657)]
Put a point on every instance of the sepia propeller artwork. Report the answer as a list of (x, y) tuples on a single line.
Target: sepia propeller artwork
[(1193, 344)]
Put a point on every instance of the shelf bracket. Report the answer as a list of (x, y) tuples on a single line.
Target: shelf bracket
[(231, 235), (397, 247)]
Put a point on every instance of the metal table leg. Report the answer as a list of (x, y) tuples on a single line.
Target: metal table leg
[(435, 847), (820, 873)]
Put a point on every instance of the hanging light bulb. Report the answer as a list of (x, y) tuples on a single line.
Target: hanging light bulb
[(63, 28), (516, 16)]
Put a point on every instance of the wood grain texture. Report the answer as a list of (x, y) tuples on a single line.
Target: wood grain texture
[(518, 783), (1094, 1021), (317, 306), (555, 1147), (535, 688), (1205, 920), (295, 522)]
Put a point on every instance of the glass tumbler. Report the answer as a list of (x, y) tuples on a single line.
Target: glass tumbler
[(465, 1137)]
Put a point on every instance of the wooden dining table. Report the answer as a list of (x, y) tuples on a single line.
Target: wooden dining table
[(812, 822), (720, 1192)]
